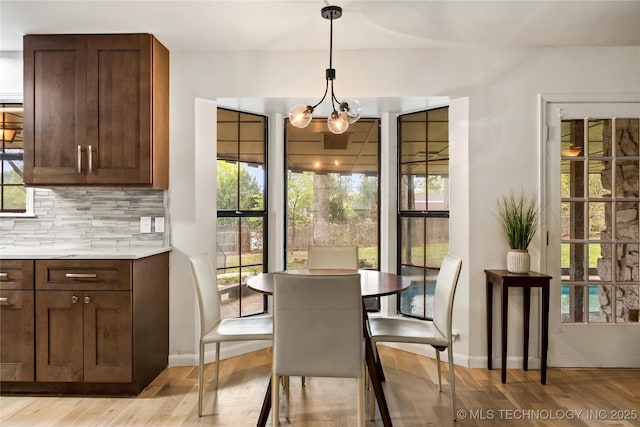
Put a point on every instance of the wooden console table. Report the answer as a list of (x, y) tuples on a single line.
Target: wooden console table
[(506, 280)]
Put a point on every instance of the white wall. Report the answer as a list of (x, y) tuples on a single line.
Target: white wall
[(501, 86), (503, 153)]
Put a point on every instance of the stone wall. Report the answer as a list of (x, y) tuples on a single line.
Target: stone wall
[(87, 218)]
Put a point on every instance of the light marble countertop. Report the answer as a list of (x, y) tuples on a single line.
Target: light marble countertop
[(129, 252)]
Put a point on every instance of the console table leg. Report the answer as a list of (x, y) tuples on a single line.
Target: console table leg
[(545, 333), (489, 323), (525, 321), (503, 327)]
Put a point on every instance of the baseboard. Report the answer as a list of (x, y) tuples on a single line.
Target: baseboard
[(227, 350)]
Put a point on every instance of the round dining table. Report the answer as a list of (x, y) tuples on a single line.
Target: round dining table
[(373, 284)]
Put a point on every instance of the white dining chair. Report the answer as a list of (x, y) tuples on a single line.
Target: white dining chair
[(436, 333), (318, 331), (337, 257), (214, 329), (331, 257)]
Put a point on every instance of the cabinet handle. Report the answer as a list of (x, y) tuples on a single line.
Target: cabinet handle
[(81, 275), (4, 275), (90, 160), (87, 300), (74, 299), (79, 159), (4, 299)]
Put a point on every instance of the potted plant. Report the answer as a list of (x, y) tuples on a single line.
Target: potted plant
[(519, 219)]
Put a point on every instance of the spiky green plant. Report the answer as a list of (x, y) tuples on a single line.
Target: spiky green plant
[(519, 218)]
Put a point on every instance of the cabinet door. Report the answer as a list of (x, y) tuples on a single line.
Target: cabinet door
[(54, 109), (16, 339), (59, 336), (119, 109), (107, 336)]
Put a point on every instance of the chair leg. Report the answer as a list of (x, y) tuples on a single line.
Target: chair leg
[(217, 364), (438, 365), (200, 377), (286, 397), (361, 401), (372, 397), (452, 383), (275, 400)]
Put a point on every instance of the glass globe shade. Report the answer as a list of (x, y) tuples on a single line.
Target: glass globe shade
[(300, 115), (352, 109), (337, 123)]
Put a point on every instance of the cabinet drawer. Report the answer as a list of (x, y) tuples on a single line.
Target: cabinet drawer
[(16, 274), (83, 275)]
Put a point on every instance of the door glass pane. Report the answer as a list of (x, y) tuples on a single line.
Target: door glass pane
[(573, 261), (626, 172), (572, 303), (572, 178), (600, 261), (599, 178), (627, 303), (598, 227), (572, 138), (627, 220), (599, 137), (627, 137), (599, 304)]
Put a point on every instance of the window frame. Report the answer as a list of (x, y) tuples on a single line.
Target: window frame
[(403, 214), (246, 214), (29, 193), (373, 304)]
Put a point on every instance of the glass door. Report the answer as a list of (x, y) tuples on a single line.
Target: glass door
[(592, 214)]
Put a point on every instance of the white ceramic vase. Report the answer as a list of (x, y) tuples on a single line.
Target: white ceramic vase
[(518, 261)]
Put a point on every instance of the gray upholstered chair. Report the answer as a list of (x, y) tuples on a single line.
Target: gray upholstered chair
[(436, 333), (213, 329), (317, 331), (338, 257)]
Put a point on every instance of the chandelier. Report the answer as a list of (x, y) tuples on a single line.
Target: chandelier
[(348, 111)]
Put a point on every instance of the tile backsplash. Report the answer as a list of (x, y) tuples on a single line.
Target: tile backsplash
[(88, 218)]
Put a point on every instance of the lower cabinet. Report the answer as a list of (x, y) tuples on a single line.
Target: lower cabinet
[(16, 337), (88, 327), (16, 321), (83, 336)]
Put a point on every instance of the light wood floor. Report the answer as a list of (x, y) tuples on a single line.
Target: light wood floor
[(411, 389)]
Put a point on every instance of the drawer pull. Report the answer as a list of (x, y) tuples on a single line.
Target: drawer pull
[(79, 159), (4, 275), (81, 275), (74, 299), (4, 299), (90, 159), (87, 300)]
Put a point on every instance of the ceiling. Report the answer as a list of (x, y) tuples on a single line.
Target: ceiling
[(214, 25)]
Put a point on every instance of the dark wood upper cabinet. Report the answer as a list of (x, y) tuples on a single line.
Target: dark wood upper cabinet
[(96, 110)]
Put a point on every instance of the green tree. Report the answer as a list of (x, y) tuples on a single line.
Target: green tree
[(299, 202), (251, 195), (365, 198)]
